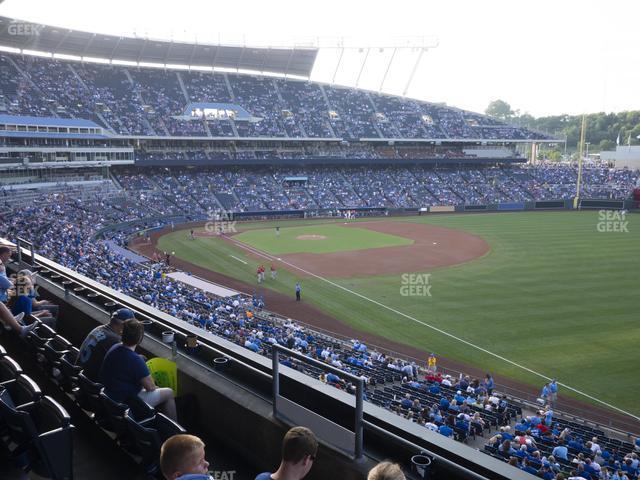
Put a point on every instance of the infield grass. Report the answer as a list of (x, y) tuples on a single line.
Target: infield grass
[(336, 238), (553, 294)]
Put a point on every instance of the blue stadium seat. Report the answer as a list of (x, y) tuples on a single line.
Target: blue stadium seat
[(41, 436), (53, 351), (149, 435), (20, 391), (89, 398), (69, 371), (9, 368)]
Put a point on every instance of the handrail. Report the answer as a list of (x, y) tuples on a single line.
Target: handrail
[(523, 398), (359, 382), (517, 395), (472, 475), (262, 367), (160, 318), (21, 241)]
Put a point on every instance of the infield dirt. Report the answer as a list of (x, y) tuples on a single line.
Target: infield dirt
[(432, 258)]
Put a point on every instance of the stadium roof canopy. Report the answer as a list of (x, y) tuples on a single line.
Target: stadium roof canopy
[(43, 38)]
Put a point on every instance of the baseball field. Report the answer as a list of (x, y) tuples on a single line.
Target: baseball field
[(516, 294)]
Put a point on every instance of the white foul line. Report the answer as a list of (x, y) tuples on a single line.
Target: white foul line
[(239, 259), (413, 319)]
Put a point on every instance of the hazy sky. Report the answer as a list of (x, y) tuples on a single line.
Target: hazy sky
[(543, 57)]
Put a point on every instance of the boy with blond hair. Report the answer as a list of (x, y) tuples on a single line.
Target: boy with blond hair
[(182, 457)]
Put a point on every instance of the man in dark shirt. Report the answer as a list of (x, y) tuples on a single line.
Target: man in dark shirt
[(125, 374), (98, 342), (299, 450)]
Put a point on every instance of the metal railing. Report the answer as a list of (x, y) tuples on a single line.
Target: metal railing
[(163, 322), (434, 456), (20, 243), (358, 381), (527, 399)]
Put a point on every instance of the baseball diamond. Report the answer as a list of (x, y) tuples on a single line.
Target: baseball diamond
[(320, 240), (493, 265)]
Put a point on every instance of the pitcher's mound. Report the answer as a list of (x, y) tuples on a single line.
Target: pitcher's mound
[(432, 247), (311, 237)]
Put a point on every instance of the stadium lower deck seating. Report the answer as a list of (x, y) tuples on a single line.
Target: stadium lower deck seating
[(64, 223), (64, 228), (200, 191)]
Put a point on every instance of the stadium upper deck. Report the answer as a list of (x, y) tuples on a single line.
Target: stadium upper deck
[(132, 100)]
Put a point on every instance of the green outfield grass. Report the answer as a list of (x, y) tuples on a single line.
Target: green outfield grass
[(338, 239), (553, 294)]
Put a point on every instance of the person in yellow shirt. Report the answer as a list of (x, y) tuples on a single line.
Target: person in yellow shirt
[(431, 363)]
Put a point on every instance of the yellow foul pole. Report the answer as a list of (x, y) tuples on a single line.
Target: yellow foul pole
[(576, 201)]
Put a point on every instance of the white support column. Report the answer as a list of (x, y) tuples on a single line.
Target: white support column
[(413, 72), (388, 68), (333, 80), (366, 56)]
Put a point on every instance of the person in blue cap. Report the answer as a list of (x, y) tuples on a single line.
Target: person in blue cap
[(96, 345)]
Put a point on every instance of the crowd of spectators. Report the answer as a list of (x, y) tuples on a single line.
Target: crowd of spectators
[(111, 93), (209, 88), (64, 231), (550, 447), (108, 356), (317, 151), (151, 101), (163, 98), (306, 102), (259, 97), (194, 192), (64, 228)]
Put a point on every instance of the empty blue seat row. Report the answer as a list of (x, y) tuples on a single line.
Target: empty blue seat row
[(35, 428)]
